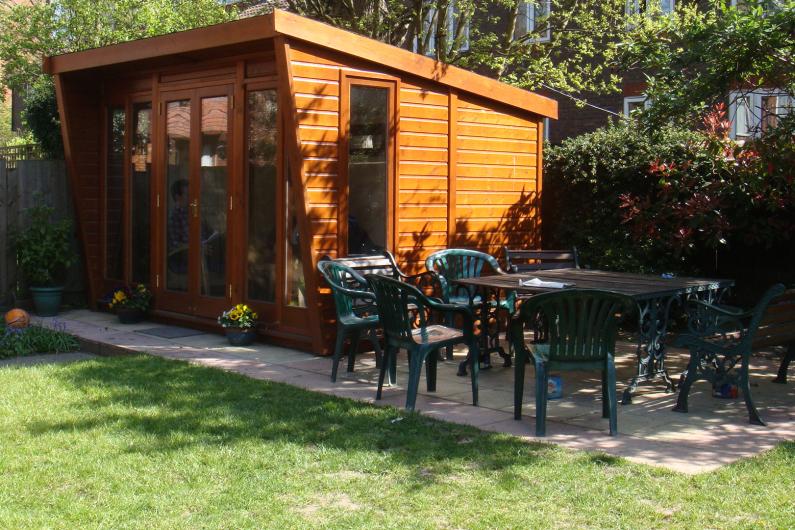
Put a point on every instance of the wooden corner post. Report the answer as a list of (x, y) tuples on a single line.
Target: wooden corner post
[(297, 176)]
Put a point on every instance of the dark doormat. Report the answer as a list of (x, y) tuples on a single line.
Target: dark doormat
[(170, 332)]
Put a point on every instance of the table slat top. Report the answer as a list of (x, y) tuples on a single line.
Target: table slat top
[(638, 286)]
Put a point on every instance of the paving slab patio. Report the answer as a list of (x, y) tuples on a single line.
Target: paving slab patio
[(715, 432)]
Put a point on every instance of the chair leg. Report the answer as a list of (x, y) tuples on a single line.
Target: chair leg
[(382, 372), (474, 370), (379, 355), (430, 370), (690, 378), (781, 378), (449, 322), (612, 400), (393, 366), (518, 383), (355, 338), (415, 370), (605, 396), (541, 399), (745, 386), (337, 354)]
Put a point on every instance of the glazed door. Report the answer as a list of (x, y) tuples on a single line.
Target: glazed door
[(195, 201)]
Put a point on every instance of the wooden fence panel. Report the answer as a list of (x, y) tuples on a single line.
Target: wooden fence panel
[(32, 182)]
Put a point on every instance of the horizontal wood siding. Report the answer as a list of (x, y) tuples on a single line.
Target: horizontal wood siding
[(423, 172), (497, 175)]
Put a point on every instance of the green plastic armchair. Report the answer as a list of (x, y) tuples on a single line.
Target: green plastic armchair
[(718, 339), (582, 324), (458, 263), (356, 312), (404, 313)]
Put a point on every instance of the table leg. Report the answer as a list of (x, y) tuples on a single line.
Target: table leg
[(489, 335), (653, 325)]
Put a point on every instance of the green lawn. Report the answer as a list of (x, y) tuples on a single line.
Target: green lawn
[(144, 442)]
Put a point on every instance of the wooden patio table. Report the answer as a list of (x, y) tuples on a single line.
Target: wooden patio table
[(654, 295)]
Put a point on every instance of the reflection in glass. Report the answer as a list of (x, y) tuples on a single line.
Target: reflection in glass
[(294, 265), (262, 143), (141, 169), (214, 126), (178, 185), (114, 195), (367, 170)]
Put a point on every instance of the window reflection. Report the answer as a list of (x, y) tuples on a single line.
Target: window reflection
[(295, 284), (214, 126), (178, 185), (141, 169), (367, 170), (114, 195), (262, 131)]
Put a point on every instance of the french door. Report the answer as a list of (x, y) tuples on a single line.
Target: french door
[(194, 201)]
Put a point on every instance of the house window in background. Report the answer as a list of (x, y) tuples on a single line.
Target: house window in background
[(636, 7), (754, 113), (633, 103), (429, 24), (533, 19)]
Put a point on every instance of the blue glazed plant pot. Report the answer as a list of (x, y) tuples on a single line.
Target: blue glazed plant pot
[(130, 315), (240, 336), (47, 300)]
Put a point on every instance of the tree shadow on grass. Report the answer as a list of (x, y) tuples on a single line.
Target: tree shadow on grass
[(175, 405)]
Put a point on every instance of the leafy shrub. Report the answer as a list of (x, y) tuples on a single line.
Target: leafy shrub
[(673, 200), (35, 339), (44, 248), (584, 180), (41, 116)]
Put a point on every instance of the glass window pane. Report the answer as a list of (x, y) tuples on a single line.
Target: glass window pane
[(114, 196), (295, 284), (214, 127), (262, 138), (178, 183), (367, 170), (141, 170)]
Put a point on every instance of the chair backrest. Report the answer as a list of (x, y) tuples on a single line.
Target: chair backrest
[(583, 323), (383, 263), (523, 260), (777, 327), (340, 277), (392, 297), (459, 263)]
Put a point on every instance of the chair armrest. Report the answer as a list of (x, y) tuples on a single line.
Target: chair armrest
[(709, 319), (722, 310), (354, 293), (424, 279)]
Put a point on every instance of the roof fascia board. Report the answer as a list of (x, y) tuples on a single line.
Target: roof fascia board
[(319, 34), (230, 33)]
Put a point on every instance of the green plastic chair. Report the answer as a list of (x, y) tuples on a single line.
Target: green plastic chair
[(719, 338), (356, 312), (459, 263), (583, 324), (404, 313)]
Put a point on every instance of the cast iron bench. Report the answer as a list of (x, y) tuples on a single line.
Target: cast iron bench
[(723, 336)]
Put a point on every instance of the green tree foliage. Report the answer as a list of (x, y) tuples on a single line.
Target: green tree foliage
[(695, 57), (32, 31), (572, 45)]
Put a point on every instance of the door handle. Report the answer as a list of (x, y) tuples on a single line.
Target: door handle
[(194, 206)]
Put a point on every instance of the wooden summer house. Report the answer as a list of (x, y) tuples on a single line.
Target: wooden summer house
[(218, 165)]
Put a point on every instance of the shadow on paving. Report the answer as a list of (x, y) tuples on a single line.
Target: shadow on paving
[(176, 405)]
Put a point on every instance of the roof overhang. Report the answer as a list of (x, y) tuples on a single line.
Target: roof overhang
[(301, 28)]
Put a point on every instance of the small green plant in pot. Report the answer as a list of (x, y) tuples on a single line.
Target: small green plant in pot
[(44, 252)]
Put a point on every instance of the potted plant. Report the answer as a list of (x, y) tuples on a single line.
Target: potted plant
[(44, 252), (131, 303), (240, 324)]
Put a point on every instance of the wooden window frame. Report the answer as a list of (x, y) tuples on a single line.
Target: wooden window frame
[(347, 80)]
